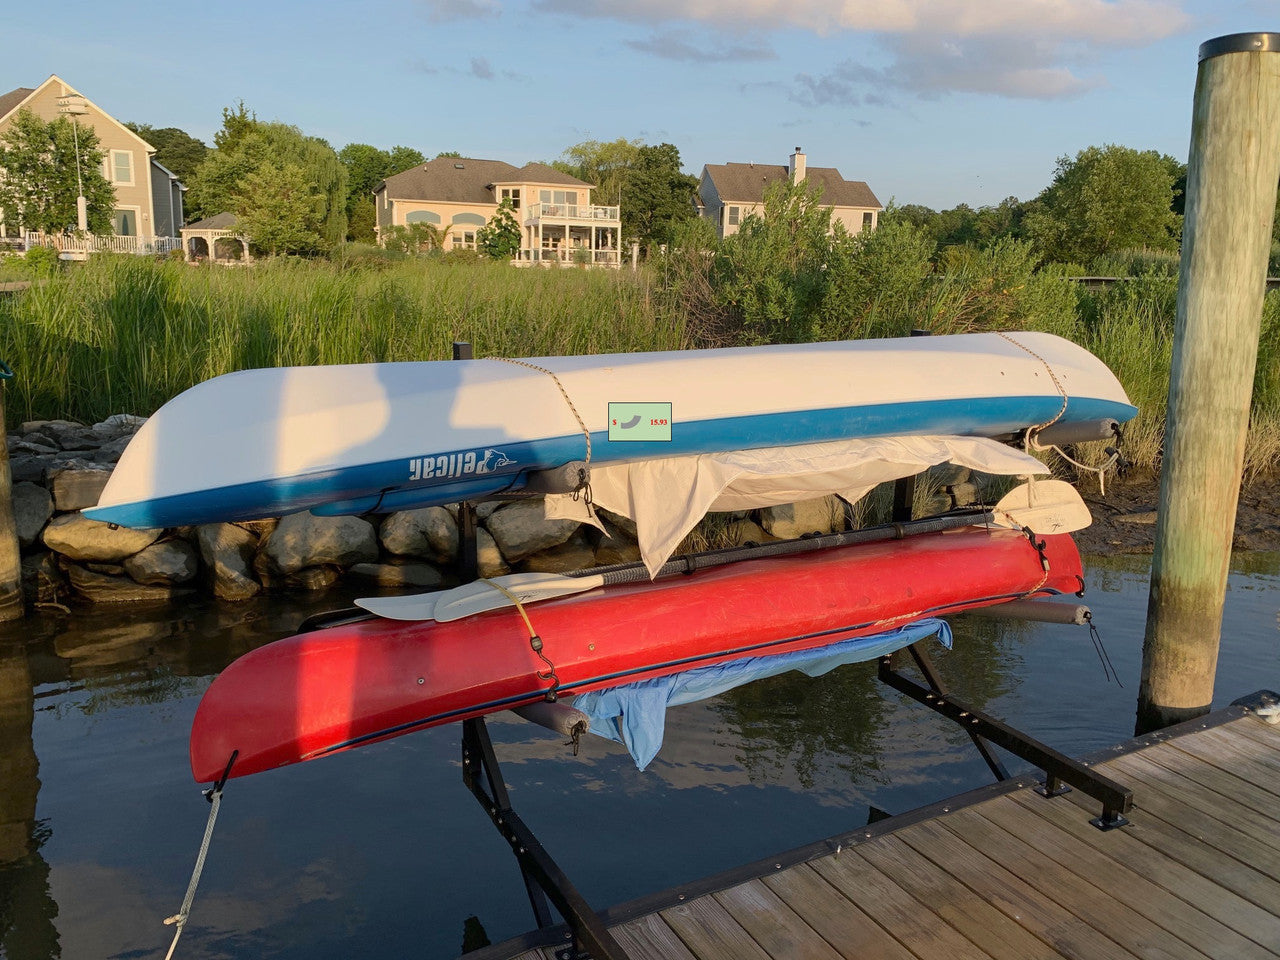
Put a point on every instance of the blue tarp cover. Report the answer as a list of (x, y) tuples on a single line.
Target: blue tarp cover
[(635, 714)]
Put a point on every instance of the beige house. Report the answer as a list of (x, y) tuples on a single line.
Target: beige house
[(728, 192), (148, 196), (458, 195)]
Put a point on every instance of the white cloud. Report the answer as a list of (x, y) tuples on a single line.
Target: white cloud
[(443, 11), (672, 45), (1112, 22)]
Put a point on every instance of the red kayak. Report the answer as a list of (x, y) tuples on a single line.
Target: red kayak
[(344, 686)]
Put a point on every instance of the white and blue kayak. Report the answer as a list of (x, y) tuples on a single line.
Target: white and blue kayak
[(390, 436)]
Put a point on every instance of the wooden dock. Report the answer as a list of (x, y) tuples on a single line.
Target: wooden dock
[(1004, 873)]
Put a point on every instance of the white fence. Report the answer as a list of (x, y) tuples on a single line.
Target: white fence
[(71, 245)]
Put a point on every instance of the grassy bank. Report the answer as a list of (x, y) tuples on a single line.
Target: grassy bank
[(123, 334)]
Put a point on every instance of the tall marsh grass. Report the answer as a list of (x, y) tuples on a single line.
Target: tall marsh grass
[(124, 334)]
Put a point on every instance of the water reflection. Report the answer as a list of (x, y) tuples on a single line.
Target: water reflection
[(27, 910), (382, 852)]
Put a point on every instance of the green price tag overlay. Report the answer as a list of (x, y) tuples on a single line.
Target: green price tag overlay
[(639, 421)]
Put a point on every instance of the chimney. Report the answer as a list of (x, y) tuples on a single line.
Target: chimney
[(797, 166)]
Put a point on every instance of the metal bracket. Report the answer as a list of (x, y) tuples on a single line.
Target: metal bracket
[(543, 879), (1059, 769)]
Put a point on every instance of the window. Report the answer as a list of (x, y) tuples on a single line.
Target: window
[(512, 194), (122, 167), (558, 196), (465, 241), (867, 218), (734, 214), (422, 216), (125, 223)]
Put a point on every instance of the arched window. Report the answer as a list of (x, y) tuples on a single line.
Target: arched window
[(468, 219), (422, 216)]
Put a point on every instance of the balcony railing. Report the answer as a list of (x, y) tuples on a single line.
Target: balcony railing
[(570, 211), (573, 256)]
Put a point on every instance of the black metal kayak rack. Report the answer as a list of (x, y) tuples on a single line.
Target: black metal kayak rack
[(547, 884)]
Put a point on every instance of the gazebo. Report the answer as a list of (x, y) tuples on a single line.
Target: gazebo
[(216, 239)]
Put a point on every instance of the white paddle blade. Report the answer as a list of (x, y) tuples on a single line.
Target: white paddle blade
[(478, 596), (1045, 506)]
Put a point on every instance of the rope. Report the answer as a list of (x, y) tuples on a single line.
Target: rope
[(1052, 376), (563, 392), (180, 918), (535, 641)]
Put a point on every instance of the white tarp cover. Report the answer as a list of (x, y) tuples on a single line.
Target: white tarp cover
[(667, 497)]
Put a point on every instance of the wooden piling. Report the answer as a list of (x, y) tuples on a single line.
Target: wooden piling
[(11, 607), (1232, 172)]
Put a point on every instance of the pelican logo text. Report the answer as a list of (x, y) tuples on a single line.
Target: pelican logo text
[(448, 465)]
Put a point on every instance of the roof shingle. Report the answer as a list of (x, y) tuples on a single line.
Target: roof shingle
[(747, 182), (14, 97), (467, 180)]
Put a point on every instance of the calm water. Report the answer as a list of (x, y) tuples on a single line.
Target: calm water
[(382, 852)]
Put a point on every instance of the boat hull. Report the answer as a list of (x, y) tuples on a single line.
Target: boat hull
[(381, 437), (341, 687)]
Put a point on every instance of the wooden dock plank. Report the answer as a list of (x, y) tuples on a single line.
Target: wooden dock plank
[(649, 938), (1179, 915), (710, 933), (900, 912), (773, 924), (1189, 847), (1266, 734), (1246, 759), (1241, 783), (995, 933), (1176, 789), (841, 921), (1048, 920), (1115, 918), (1126, 846)]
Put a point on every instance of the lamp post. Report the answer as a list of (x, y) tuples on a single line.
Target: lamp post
[(74, 106)]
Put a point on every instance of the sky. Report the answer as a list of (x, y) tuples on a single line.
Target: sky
[(935, 102)]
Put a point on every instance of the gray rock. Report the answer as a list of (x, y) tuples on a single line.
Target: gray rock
[(32, 508), (490, 561), (78, 484), (39, 448), (27, 468), (105, 588), (618, 521), (791, 520), (227, 551), (117, 425), (573, 554), (42, 579), (520, 529), (741, 532), (167, 562), (947, 474), (615, 546), (430, 532), (964, 494), (76, 536), (485, 508), (110, 451), (399, 574), (301, 540), (314, 578)]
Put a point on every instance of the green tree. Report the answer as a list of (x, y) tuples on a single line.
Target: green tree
[(1103, 200), (38, 183), (175, 149), (656, 195), (499, 239), (279, 209), (367, 166), (606, 165), (246, 146)]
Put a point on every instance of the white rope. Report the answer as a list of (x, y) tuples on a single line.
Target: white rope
[(180, 918)]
